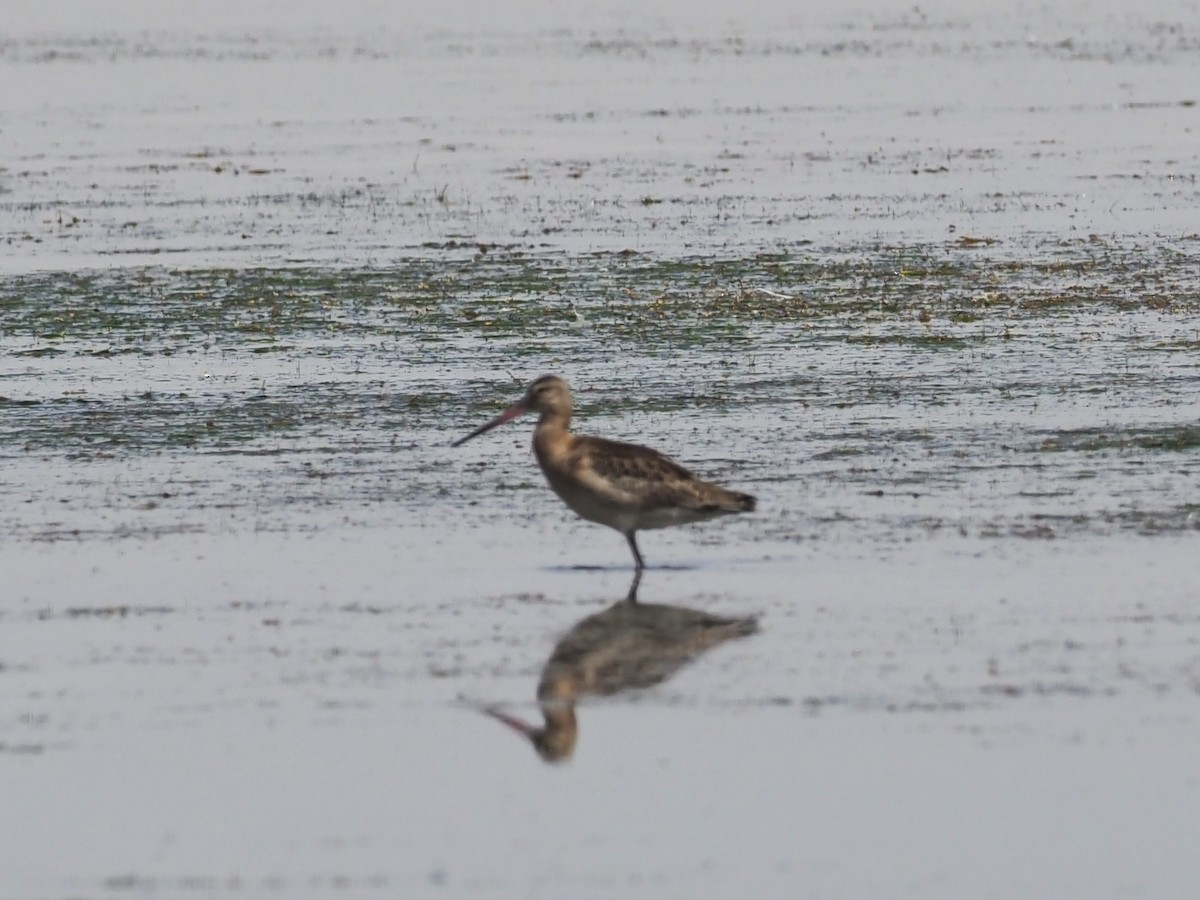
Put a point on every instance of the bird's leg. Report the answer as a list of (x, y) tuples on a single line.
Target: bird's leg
[(631, 597), (637, 557)]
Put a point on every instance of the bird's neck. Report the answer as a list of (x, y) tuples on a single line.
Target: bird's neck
[(556, 741), (553, 432), (554, 419)]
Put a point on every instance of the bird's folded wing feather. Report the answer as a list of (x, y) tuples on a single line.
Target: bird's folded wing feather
[(640, 471)]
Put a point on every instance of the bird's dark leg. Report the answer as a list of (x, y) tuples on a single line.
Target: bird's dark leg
[(637, 556), (631, 597)]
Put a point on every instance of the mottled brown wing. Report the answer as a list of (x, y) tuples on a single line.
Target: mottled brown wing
[(637, 470)]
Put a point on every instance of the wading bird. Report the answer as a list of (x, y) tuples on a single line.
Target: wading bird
[(624, 486)]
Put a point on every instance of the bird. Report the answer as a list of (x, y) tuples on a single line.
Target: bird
[(627, 487), (628, 646)]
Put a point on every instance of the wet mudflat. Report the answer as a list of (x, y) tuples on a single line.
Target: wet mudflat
[(925, 281)]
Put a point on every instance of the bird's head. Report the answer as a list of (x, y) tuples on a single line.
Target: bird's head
[(549, 395)]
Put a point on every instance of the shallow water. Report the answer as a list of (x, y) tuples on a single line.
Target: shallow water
[(924, 280)]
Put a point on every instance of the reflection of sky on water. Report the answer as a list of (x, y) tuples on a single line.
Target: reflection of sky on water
[(239, 669)]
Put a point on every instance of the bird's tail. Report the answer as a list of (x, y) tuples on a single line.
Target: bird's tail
[(744, 502), (731, 501)]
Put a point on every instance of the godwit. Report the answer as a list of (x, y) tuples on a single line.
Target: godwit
[(629, 645), (624, 486)]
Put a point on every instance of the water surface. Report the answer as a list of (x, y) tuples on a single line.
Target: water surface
[(924, 280)]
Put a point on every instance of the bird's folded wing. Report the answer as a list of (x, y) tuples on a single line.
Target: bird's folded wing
[(638, 471)]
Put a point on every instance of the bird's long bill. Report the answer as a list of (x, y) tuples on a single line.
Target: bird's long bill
[(511, 413), (520, 727)]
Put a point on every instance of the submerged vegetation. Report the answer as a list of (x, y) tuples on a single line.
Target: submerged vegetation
[(451, 293), (1066, 380)]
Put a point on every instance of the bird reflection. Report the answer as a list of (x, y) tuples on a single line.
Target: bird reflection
[(630, 645)]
